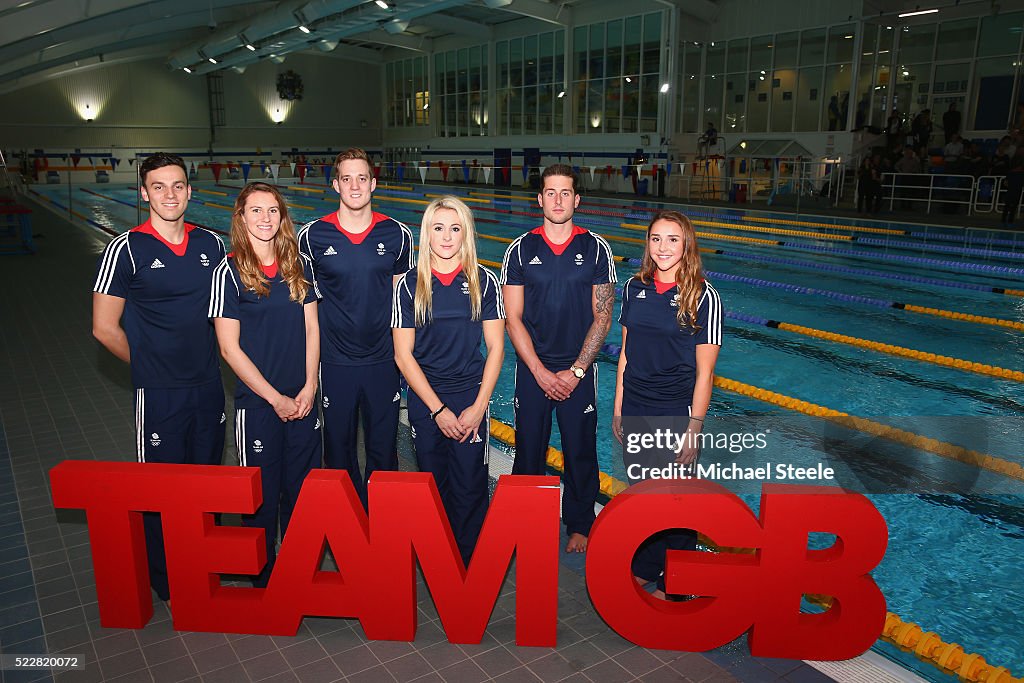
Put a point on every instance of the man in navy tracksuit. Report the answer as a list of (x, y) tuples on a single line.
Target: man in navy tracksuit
[(158, 277), (559, 286), (357, 256)]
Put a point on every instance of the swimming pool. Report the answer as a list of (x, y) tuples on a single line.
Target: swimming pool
[(953, 560)]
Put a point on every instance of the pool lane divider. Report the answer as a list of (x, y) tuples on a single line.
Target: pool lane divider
[(198, 201), (870, 301), (853, 298), (929, 647), (74, 213)]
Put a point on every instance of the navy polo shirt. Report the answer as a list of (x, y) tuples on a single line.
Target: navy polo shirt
[(272, 328), (447, 348), (558, 282), (166, 288), (354, 275), (661, 355)]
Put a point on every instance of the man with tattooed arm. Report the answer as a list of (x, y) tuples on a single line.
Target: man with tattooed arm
[(558, 282)]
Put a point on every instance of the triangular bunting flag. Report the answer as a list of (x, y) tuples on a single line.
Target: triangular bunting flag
[(625, 171), (302, 173), (639, 170), (91, 162), (292, 165), (75, 159), (487, 175), (592, 169), (274, 170), (465, 171), (246, 167), (423, 172), (401, 172), (131, 162), (114, 161), (217, 168), (327, 173), (444, 170)]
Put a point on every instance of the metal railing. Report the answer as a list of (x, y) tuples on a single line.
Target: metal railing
[(917, 190), (988, 193)]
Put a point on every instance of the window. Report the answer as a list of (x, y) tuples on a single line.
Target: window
[(407, 94)]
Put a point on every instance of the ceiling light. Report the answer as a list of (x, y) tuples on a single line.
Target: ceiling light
[(426, 106), (381, 4), (186, 69), (628, 79), (303, 28), (918, 12), (250, 47), (211, 60), (561, 94), (847, 37), (664, 87)]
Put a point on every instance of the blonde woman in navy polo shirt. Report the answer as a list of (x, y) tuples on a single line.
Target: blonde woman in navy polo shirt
[(671, 333), (264, 308), (442, 308)]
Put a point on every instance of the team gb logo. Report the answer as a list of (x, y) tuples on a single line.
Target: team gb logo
[(380, 248), (579, 259)]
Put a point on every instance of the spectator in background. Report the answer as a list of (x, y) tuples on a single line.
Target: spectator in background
[(869, 187), (951, 122), (908, 164), (1014, 187), (921, 128), (894, 129), (953, 150), (1001, 159), (972, 161)]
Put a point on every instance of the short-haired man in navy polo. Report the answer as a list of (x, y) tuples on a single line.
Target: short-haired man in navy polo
[(559, 287), (157, 276), (358, 255)]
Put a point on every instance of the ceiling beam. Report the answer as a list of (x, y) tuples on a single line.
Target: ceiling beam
[(403, 41), (535, 9), (450, 24)]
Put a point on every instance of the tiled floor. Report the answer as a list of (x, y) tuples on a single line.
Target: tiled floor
[(61, 396)]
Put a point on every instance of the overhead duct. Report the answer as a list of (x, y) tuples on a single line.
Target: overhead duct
[(364, 19)]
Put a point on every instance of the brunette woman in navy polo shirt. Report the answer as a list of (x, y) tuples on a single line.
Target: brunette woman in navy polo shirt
[(671, 333), (442, 308), (264, 308)]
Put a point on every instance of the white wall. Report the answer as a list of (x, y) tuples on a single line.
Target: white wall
[(145, 105)]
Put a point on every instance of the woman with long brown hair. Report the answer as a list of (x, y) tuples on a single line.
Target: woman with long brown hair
[(264, 309), (442, 310), (671, 334)]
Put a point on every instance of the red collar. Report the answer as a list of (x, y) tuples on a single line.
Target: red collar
[(177, 249), (559, 248), (271, 270), (447, 278), (662, 287), (355, 238)]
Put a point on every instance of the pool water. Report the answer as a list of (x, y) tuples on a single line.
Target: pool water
[(954, 562)]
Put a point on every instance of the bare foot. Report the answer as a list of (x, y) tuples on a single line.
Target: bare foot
[(577, 544)]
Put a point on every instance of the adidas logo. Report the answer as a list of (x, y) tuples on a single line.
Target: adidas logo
[(398, 396), (535, 261), (329, 251), (589, 409), (476, 439), (413, 430), (642, 295), (257, 446), (223, 418), (317, 425), (156, 264)]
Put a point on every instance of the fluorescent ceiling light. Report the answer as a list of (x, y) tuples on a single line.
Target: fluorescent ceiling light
[(211, 60), (250, 47), (664, 87), (381, 4), (186, 69), (918, 12), (303, 28), (561, 93)]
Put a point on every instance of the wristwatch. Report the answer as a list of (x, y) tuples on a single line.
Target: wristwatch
[(579, 372)]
